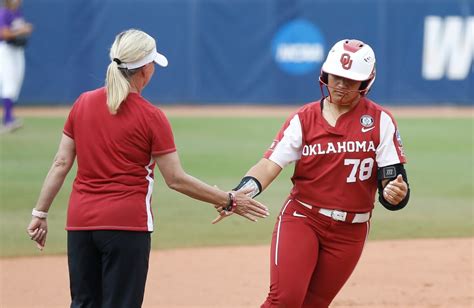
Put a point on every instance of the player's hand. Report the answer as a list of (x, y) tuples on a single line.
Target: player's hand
[(245, 206), (37, 231), (395, 191)]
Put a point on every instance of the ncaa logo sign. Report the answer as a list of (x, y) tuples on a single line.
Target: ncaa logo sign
[(298, 47)]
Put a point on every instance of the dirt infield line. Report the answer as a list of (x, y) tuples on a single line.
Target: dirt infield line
[(260, 111)]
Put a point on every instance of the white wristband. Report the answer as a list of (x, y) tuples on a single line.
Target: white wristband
[(39, 214)]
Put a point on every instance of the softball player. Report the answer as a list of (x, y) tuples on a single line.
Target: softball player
[(14, 33), (344, 147), (118, 136)]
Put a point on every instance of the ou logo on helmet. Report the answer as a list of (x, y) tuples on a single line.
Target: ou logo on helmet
[(346, 61), (298, 47)]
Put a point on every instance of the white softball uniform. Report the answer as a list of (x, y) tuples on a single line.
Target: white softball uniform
[(12, 70)]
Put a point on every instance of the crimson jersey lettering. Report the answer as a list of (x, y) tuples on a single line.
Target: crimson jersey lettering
[(335, 167), (104, 197)]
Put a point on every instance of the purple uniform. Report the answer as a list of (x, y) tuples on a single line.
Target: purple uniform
[(10, 19), (12, 62)]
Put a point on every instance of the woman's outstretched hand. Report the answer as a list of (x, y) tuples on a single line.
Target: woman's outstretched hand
[(244, 206)]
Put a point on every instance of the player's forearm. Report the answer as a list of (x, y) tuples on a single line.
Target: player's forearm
[(265, 171)]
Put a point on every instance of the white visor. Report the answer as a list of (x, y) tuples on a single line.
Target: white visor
[(153, 56)]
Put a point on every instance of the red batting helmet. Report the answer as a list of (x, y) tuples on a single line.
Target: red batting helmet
[(351, 59)]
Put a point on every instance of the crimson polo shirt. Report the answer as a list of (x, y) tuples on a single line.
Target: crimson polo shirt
[(114, 182)]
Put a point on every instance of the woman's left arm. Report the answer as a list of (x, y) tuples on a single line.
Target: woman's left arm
[(63, 161)]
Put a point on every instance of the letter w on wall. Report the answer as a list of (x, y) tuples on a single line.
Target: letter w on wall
[(448, 49)]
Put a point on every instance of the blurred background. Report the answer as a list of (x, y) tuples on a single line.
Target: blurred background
[(254, 51)]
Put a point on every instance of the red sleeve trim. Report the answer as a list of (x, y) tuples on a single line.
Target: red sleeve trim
[(68, 134), (164, 151)]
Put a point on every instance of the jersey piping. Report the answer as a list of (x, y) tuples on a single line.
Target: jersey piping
[(148, 196)]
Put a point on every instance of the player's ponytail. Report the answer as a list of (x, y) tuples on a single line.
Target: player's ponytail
[(129, 46)]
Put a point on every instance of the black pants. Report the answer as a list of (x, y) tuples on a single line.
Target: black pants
[(107, 268)]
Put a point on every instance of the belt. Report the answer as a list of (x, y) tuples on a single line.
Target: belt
[(341, 215)]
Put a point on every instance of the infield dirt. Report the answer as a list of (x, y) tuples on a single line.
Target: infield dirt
[(411, 273)]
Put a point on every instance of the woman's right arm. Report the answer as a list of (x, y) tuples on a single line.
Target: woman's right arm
[(63, 161), (177, 179)]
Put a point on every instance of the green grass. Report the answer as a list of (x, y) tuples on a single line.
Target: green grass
[(220, 151)]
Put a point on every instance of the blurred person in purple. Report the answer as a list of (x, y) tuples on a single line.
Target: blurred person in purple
[(14, 34)]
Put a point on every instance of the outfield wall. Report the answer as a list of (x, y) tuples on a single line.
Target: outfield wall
[(254, 51)]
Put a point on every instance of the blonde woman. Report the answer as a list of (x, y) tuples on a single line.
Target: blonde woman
[(117, 137)]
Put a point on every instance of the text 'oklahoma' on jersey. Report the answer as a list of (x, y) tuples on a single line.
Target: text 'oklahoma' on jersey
[(336, 167)]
